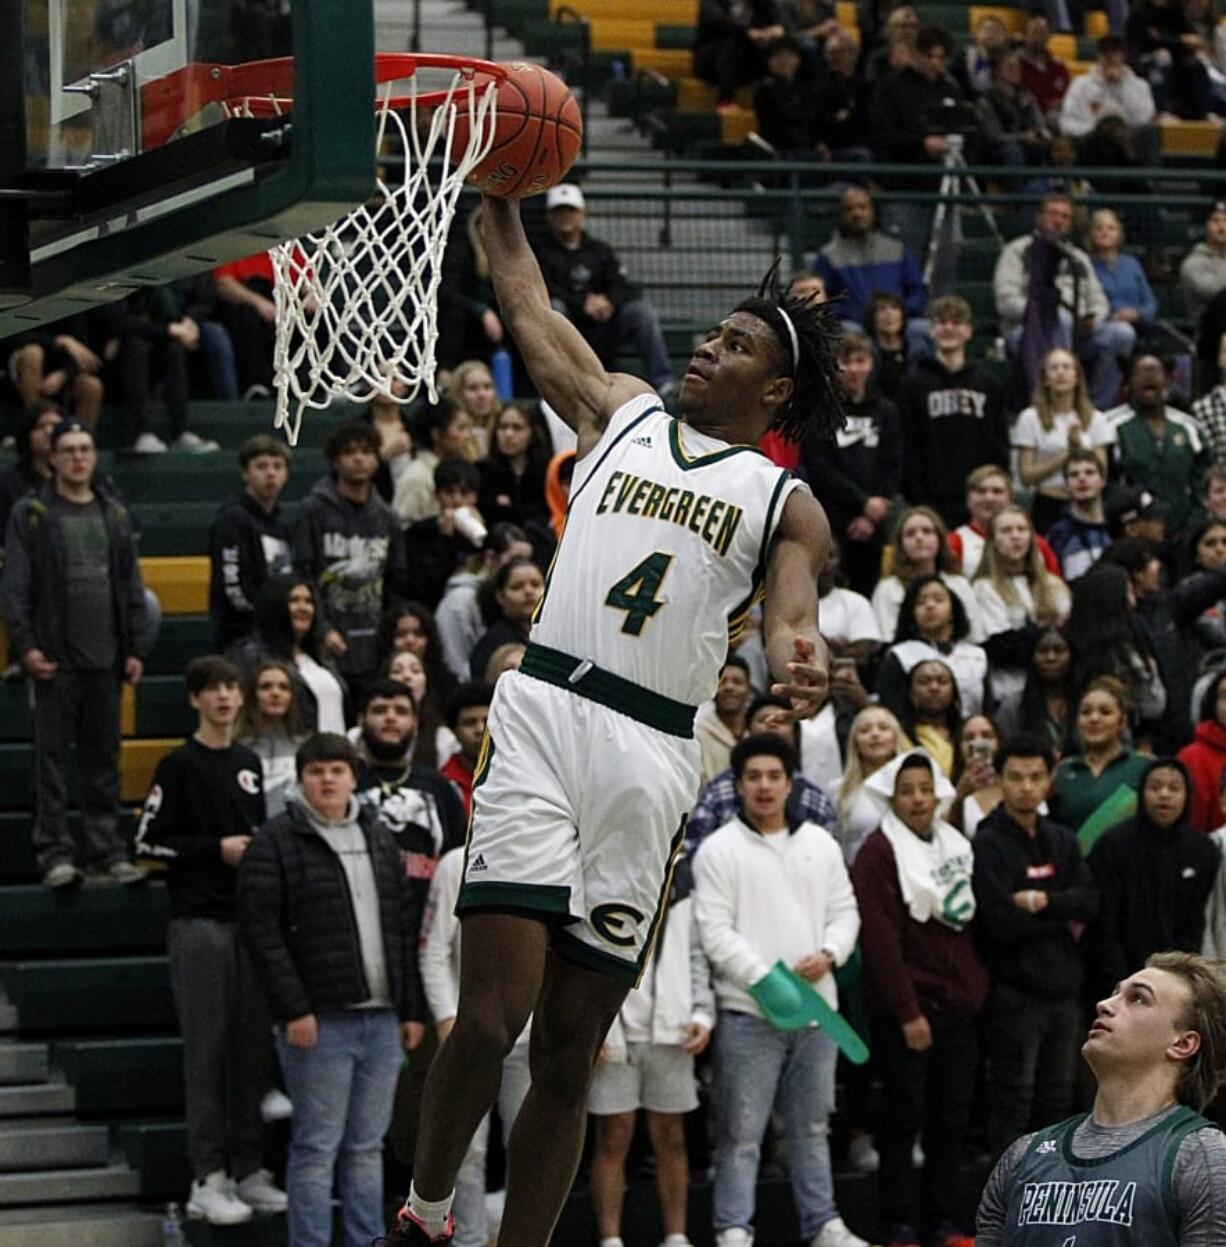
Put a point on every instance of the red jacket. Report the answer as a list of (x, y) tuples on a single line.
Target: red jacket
[(460, 773), (908, 962), (1205, 758)]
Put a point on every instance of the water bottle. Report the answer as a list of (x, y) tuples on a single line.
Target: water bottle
[(172, 1228), (500, 367), (618, 70)]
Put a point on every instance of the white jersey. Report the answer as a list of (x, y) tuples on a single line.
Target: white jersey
[(664, 552)]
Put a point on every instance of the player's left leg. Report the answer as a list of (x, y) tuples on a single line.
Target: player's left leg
[(573, 1014)]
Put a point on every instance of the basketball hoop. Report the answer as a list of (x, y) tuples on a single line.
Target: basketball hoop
[(357, 302)]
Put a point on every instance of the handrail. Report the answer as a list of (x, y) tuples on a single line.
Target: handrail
[(564, 14)]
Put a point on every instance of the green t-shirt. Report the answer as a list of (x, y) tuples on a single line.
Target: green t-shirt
[(1076, 792), (89, 626)]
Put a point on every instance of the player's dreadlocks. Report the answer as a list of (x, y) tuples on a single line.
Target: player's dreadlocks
[(808, 333)]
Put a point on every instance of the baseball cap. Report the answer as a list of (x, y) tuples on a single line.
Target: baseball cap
[(565, 196), (1214, 208), (1131, 504), (69, 425)]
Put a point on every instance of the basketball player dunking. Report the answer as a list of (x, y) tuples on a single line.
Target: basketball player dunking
[(674, 530), (1143, 1168)]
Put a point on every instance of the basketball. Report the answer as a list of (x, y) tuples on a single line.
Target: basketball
[(536, 135)]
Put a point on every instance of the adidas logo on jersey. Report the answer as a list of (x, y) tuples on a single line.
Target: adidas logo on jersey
[(478, 863), (644, 439)]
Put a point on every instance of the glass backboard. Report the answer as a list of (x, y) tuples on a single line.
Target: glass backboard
[(124, 161)]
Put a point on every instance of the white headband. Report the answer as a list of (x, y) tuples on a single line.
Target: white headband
[(787, 320)]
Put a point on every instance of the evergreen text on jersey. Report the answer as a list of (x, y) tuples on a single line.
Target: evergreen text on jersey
[(713, 519)]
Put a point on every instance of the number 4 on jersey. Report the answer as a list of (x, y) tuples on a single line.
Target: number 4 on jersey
[(635, 593)]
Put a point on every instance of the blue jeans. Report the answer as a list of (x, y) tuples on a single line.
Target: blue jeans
[(471, 1223), (757, 1067), (342, 1091)]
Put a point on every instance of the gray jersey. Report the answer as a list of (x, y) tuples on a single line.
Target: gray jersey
[(1160, 1182)]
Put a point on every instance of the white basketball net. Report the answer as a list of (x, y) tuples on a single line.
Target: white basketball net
[(357, 302)]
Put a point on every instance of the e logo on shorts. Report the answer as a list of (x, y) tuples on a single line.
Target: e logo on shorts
[(610, 921)]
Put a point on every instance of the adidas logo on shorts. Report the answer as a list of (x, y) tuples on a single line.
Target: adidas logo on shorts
[(644, 439), (478, 863)]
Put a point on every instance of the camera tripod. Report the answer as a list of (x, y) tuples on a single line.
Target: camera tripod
[(948, 217)]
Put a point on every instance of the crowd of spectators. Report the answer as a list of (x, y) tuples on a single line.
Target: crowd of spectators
[(1013, 795)]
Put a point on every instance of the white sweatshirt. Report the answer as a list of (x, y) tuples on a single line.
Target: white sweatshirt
[(759, 902)]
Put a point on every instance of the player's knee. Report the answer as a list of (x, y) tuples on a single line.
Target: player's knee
[(485, 1035), (563, 1065)]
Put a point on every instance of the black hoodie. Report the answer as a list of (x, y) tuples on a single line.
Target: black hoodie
[(247, 545), (1154, 884), (953, 422), (1033, 953), (864, 462), (355, 554)]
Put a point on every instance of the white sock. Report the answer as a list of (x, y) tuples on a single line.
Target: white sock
[(676, 1240), (431, 1213), (611, 1242)]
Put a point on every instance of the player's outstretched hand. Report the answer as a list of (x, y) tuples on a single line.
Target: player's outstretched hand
[(808, 680)]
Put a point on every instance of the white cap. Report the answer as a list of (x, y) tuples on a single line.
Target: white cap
[(564, 196)]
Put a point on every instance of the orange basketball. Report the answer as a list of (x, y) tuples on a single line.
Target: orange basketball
[(536, 134)]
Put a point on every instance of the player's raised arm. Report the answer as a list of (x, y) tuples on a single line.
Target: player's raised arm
[(795, 650), (566, 371)]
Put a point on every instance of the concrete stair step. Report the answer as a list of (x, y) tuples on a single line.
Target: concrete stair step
[(68, 1185), (98, 1225), (23, 1063), (36, 1100), (42, 1143)]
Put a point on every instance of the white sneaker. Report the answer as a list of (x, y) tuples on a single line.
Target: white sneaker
[(193, 444), (149, 444), (256, 1190), (126, 872), (677, 1240), (835, 1234), (276, 1106), (62, 875), (862, 1156), (213, 1200), (917, 1155), (734, 1236)]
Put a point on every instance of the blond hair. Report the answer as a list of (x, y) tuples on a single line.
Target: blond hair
[(1205, 977), (1042, 583), (1081, 394), (853, 769)]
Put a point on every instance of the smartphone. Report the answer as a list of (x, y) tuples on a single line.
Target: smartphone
[(979, 750), (842, 665)]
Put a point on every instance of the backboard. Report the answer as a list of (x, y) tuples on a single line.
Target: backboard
[(121, 165)]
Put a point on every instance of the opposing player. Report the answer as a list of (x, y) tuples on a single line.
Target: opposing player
[(1143, 1168), (589, 766)]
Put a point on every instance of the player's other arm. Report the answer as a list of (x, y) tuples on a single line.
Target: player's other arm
[(564, 369), (795, 649)]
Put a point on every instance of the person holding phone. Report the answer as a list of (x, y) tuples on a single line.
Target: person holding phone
[(976, 785)]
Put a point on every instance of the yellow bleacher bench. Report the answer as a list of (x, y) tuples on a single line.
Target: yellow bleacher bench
[(671, 62), (665, 12), (137, 762), (181, 584)]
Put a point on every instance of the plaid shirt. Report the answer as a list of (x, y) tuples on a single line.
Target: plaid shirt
[(1210, 413), (718, 804)]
